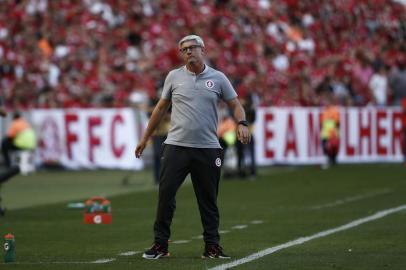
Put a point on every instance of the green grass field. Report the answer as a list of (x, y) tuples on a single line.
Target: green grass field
[(281, 205)]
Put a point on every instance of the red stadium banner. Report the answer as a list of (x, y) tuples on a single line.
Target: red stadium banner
[(292, 135), (88, 138)]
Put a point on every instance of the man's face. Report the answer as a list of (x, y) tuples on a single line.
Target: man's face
[(191, 52)]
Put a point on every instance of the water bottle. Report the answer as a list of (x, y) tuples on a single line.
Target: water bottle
[(9, 248)]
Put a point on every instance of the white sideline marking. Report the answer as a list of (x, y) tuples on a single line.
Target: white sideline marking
[(352, 199), (180, 241), (224, 231), (239, 227), (104, 260), (302, 240), (198, 237), (257, 222), (129, 253)]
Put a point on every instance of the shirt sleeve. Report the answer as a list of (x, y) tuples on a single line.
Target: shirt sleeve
[(227, 90), (167, 89)]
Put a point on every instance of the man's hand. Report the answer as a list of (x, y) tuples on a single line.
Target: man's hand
[(140, 148), (243, 134)]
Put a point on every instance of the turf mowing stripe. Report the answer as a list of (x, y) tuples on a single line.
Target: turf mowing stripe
[(352, 199), (302, 240)]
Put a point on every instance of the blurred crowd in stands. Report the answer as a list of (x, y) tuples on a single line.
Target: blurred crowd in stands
[(105, 53)]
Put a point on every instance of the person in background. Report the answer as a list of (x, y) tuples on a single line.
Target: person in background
[(397, 83), (158, 139), (8, 173), (20, 136), (242, 150), (378, 84), (330, 132), (226, 132)]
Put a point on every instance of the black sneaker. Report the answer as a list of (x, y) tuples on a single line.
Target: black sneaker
[(155, 252), (214, 252)]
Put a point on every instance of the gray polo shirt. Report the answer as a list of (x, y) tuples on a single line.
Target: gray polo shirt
[(194, 106)]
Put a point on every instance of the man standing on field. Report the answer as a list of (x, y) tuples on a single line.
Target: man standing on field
[(192, 145)]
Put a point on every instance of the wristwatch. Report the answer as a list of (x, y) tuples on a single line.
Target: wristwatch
[(243, 122)]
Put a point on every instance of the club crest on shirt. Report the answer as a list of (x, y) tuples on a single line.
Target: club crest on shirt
[(218, 162), (209, 84)]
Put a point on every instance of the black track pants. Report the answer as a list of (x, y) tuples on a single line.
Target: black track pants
[(204, 165)]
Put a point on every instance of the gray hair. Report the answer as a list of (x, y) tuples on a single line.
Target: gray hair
[(196, 38)]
